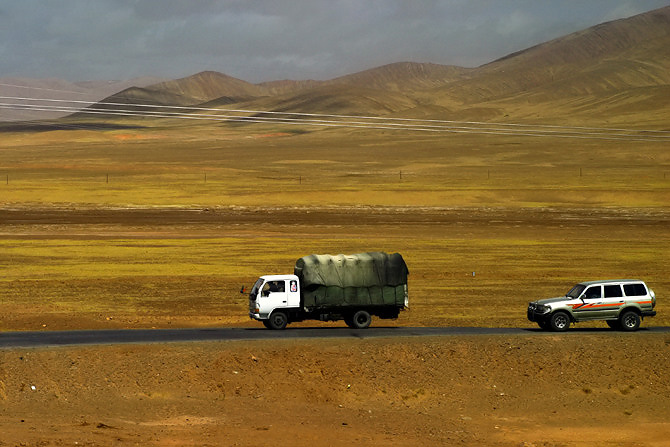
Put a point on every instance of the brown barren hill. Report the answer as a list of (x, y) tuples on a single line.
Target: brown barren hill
[(340, 99), (617, 70), (39, 90), (190, 91), (404, 76), (613, 73), (620, 61), (209, 85)]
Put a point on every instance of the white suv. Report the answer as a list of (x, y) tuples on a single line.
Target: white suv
[(622, 303)]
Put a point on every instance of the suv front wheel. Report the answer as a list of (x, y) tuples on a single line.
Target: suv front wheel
[(559, 321)]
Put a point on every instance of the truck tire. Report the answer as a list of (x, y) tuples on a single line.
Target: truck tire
[(559, 322), (629, 321), (278, 320), (361, 320)]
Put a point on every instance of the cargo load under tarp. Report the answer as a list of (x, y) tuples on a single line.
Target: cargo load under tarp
[(375, 278)]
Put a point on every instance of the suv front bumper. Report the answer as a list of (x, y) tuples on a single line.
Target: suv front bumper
[(537, 315)]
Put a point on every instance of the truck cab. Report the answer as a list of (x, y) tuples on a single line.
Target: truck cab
[(273, 292)]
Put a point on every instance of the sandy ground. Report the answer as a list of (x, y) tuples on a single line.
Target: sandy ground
[(586, 388)]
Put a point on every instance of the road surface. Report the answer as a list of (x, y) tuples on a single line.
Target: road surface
[(143, 336)]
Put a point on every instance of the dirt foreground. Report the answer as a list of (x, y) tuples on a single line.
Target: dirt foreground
[(584, 388)]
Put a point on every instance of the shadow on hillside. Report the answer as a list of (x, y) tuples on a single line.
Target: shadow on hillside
[(51, 126)]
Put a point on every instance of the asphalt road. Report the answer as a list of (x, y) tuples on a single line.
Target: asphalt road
[(143, 336)]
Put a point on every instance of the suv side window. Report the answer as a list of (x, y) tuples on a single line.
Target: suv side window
[(613, 291), (637, 289), (592, 292)]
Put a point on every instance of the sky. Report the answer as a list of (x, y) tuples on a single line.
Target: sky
[(264, 40)]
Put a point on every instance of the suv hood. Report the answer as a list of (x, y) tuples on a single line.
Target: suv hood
[(553, 300)]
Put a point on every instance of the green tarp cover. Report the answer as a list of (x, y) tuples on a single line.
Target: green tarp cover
[(374, 278)]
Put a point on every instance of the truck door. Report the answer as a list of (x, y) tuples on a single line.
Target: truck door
[(275, 293)]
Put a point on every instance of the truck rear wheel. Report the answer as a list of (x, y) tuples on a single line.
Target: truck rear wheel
[(278, 320), (360, 320)]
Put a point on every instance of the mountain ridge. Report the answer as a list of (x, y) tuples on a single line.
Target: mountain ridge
[(606, 65)]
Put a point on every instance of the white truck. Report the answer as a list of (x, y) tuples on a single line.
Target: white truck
[(352, 288)]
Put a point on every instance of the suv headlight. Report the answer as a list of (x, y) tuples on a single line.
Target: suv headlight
[(542, 309)]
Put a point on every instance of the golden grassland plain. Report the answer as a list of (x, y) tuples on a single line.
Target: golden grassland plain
[(528, 215), (256, 166), (161, 226)]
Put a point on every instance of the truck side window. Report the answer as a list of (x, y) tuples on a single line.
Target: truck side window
[(272, 287), (592, 292), (613, 291), (294, 286)]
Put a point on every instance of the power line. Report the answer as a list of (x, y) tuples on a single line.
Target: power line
[(269, 112), (355, 121)]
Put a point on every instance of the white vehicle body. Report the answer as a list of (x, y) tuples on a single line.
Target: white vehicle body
[(352, 288), (268, 297), (622, 303)]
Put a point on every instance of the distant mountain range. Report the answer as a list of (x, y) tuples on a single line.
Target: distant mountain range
[(58, 89), (617, 70)]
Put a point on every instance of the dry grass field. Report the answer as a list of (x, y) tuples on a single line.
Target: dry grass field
[(163, 226)]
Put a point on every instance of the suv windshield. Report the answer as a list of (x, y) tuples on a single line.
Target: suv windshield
[(576, 291)]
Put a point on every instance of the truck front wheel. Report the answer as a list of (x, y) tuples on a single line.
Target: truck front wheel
[(278, 320), (360, 320)]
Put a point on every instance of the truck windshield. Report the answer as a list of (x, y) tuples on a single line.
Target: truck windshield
[(576, 291), (255, 288)]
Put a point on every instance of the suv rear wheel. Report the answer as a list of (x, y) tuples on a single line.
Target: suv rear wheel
[(559, 321), (629, 321)]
